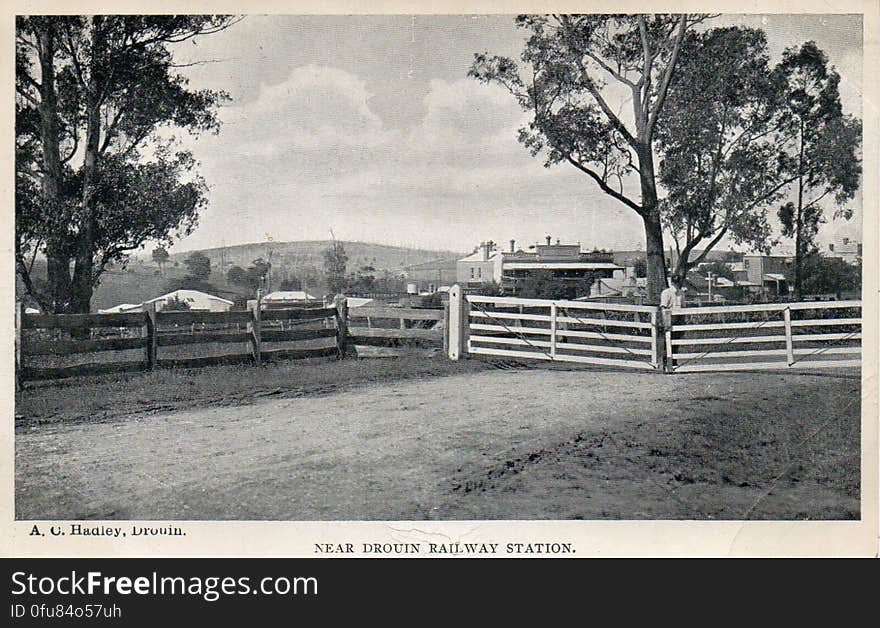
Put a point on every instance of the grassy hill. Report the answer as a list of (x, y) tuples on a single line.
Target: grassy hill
[(311, 253)]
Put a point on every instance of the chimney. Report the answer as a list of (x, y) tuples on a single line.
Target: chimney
[(485, 251), (548, 240), (512, 246)]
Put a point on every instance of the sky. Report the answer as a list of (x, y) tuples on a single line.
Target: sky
[(369, 126)]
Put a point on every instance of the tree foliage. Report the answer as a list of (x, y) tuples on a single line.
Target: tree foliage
[(720, 167), (335, 263), (160, 256), (237, 275), (256, 273), (94, 179), (830, 275), (198, 266), (543, 284), (821, 148)]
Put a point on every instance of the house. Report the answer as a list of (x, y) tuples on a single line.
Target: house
[(481, 266), (510, 268), (767, 272), (845, 248), (196, 300), (289, 295), (288, 298), (429, 276), (122, 308)]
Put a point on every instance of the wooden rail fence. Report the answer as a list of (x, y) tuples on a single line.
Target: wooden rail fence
[(60, 338)]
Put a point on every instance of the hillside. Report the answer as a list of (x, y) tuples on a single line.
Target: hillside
[(311, 253)]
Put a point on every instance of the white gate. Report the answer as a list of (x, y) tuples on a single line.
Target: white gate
[(607, 334), (768, 336)]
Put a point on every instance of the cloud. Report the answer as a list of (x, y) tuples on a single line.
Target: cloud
[(314, 108)]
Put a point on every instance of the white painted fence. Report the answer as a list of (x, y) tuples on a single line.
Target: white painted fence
[(606, 334), (769, 336), (718, 338)]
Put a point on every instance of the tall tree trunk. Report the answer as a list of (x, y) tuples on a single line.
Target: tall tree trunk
[(656, 263), (656, 266), (83, 274), (57, 257)]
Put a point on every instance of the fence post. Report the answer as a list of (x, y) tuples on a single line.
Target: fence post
[(553, 330), (457, 327), (19, 319), (152, 335), (789, 349), (446, 326), (341, 305), (669, 365), (254, 326), (655, 354)]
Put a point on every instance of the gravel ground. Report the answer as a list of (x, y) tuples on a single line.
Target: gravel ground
[(497, 444)]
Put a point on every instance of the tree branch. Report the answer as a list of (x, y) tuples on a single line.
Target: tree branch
[(605, 187), (667, 77), (612, 117)]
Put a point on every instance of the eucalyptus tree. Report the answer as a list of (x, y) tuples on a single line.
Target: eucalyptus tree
[(821, 148), (574, 69), (94, 179), (718, 138)]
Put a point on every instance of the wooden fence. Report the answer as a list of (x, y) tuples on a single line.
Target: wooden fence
[(63, 337), (770, 336)]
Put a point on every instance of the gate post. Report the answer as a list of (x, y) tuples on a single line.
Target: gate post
[(457, 323), (151, 333), (341, 304), (254, 326), (19, 321), (655, 339), (786, 313)]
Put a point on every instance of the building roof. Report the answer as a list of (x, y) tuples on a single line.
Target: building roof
[(436, 264), (563, 265), (188, 296), (774, 277), (289, 295), (122, 307), (477, 256)]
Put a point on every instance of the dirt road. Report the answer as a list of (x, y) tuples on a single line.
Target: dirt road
[(531, 444)]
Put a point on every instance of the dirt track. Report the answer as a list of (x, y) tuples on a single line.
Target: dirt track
[(500, 444)]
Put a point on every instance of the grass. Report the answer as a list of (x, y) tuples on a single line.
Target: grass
[(104, 396)]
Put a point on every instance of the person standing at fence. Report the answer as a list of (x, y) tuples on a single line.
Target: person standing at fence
[(671, 298)]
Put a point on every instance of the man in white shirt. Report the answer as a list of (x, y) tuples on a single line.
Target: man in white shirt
[(671, 298)]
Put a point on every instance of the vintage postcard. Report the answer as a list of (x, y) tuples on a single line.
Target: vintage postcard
[(480, 280)]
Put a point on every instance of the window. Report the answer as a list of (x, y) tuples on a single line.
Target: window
[(473, 273), (479, 272)]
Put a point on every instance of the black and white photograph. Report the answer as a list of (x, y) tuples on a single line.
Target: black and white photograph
[(464, 267)]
